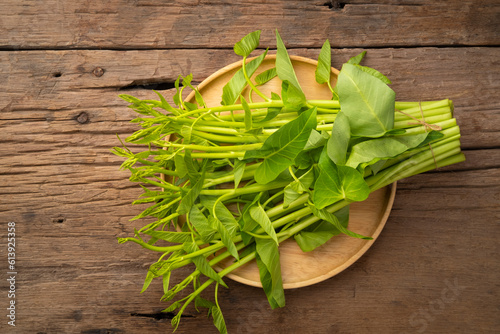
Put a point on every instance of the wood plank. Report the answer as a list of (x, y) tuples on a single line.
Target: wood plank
[(122, 24), (33, 93), (63, 189), (409, 270)]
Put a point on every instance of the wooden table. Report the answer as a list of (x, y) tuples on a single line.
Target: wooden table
[(434, 268)]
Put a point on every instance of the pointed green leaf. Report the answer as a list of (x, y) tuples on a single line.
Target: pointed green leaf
[(316, 139), (239, 169), (266, 76), (170, 236), (225, 236), (232, 90), (282, 147), (247, 44), (293, 98), (248, 113), (188, 199), (371, 151), (332, 219), (375, 73), (268, 262), (201, 224), (284, 67), (339, 140), (201, 263), (222, 213), (320, 232), (357, 59), (219, 320), (323, 70), (261, 217), (296, 188)]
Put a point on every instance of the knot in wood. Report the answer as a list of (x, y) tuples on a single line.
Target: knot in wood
[(98, 71), (82, 118)]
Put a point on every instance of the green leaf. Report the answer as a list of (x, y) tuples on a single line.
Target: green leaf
[(339, 140), (357, 59), (282, 147), (248, 114), (165, 105), (232, 90), (191, 167), (316, 139), (177, 96), (260, 216), (222, 213), (219, 320), (247, 44), (188, 200), (366, 101), (170, 236), (296, 188), (332, 219), (201, 263), (186, 81), (320, 232), (180, 166), (225, 236), (284, 67), (239, 169), (186, 133), (268, 262), (323, 70), (247, 223), (149, 278), (201, 224), (335, 183), (266, 76), (375, 73), (371, 151), (293, 99)]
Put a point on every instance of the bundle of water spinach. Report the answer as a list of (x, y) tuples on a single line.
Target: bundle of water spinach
[(236, 180)]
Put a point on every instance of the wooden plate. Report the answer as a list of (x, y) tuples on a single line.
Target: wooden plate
[(301, 269)]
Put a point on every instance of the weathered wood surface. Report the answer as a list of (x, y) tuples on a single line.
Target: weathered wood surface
[(132, 24), (434, 269)]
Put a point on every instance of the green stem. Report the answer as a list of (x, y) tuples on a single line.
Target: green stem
[(255, 188), (250, 83), (227, 148)]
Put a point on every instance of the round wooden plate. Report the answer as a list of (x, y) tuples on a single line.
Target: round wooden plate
[(301, 269)]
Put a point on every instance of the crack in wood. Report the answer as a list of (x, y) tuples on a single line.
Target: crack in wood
[(149, 85), (160, 315)]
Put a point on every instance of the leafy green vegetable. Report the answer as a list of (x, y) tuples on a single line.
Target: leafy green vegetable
[(236, 180)]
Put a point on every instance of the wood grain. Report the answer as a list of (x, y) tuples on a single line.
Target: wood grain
[(147, 24), (433, 269)]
